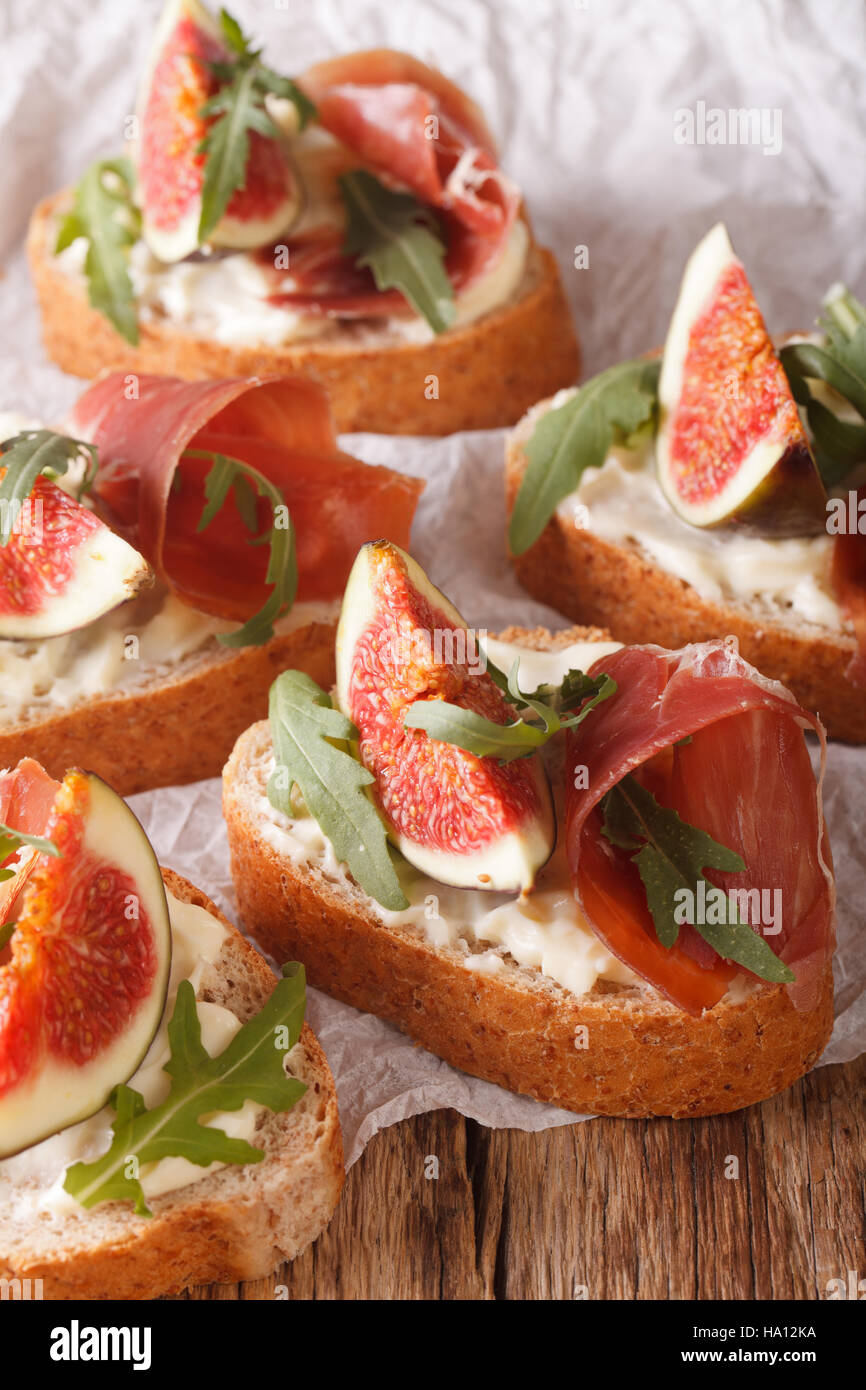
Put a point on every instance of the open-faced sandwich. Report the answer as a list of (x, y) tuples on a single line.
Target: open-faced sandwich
[(353, 224), (595, 874), (716, 490), (164, 560), (166, 1116)]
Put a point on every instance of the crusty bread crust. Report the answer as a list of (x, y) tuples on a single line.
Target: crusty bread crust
[(592, 580), (238, 1223), (488, 373), (640, 1056), (174, 729)]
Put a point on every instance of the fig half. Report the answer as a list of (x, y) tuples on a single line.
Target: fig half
[(63, 567), (731, 449), (83, 991), (461, 819), (178, 82)]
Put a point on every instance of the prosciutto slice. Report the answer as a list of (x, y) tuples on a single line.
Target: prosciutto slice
[(283, 427), (26, 796), (744, 776), (413, 127)]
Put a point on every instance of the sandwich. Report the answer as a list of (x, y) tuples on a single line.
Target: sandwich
[(352, 224), (715, 490), (163, 558), (166, 1116), (594, 874)]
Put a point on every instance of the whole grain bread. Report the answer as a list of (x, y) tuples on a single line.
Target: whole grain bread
[(237, 1223), (639, 1055), (170, 728), (591, 580), (487, 373)]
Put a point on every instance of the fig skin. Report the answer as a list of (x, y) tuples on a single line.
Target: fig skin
[(789, 501)]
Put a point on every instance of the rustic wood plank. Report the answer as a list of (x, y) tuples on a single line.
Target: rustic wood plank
[(626, 1209)]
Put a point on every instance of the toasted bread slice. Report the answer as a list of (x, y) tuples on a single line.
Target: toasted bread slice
[(169, 728), (591, 580), (640, 1055), (476, 377), (236, 1223)]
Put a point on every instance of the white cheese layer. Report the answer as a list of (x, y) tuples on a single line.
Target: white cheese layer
[(225, 298), (131, 645), (34, 1178), (623, 503)]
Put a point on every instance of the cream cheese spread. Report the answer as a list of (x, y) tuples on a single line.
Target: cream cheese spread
[(131, 645), (622, 502), (34, 1177)]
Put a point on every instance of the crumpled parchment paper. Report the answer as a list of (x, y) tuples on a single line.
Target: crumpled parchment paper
[(586, 97)]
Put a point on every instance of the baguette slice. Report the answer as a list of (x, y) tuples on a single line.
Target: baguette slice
[(489, 372), (237, 1223), (592, 580), (517, 1028), (170, 729)]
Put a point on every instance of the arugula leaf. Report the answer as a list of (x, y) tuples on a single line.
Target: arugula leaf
[(671, 855), (844, 326), (311, 750), (237, 108), (27, 455), (250, 1068), (839, 445), (449, 723), (104, 213), (245, 482), (398, 238), (578, 435), (13, 840)]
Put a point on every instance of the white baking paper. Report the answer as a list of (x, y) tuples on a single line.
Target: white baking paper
[(594, 103)]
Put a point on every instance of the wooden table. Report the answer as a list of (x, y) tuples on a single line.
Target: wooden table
[(626, 1208)]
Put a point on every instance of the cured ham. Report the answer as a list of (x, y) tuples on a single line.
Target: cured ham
[(725, 748), (26, 796), (154, 494), (413, 127), (410, 122), (848, 576)]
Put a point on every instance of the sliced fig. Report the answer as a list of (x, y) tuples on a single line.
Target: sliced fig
[(170, 166), (731, 448), (461, 819), (83, 990), (62, 567)]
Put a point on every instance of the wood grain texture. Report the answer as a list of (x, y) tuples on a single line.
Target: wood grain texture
[(627, 1208)]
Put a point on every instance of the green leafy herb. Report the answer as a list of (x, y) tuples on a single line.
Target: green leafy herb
[(576, 436), (840, 362), (449, 723), (104, 213), (233, 475), (250, 1068), (671, 856), (398, 238), (33, 452), (311, 751), (236, 109), (11, 841)]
